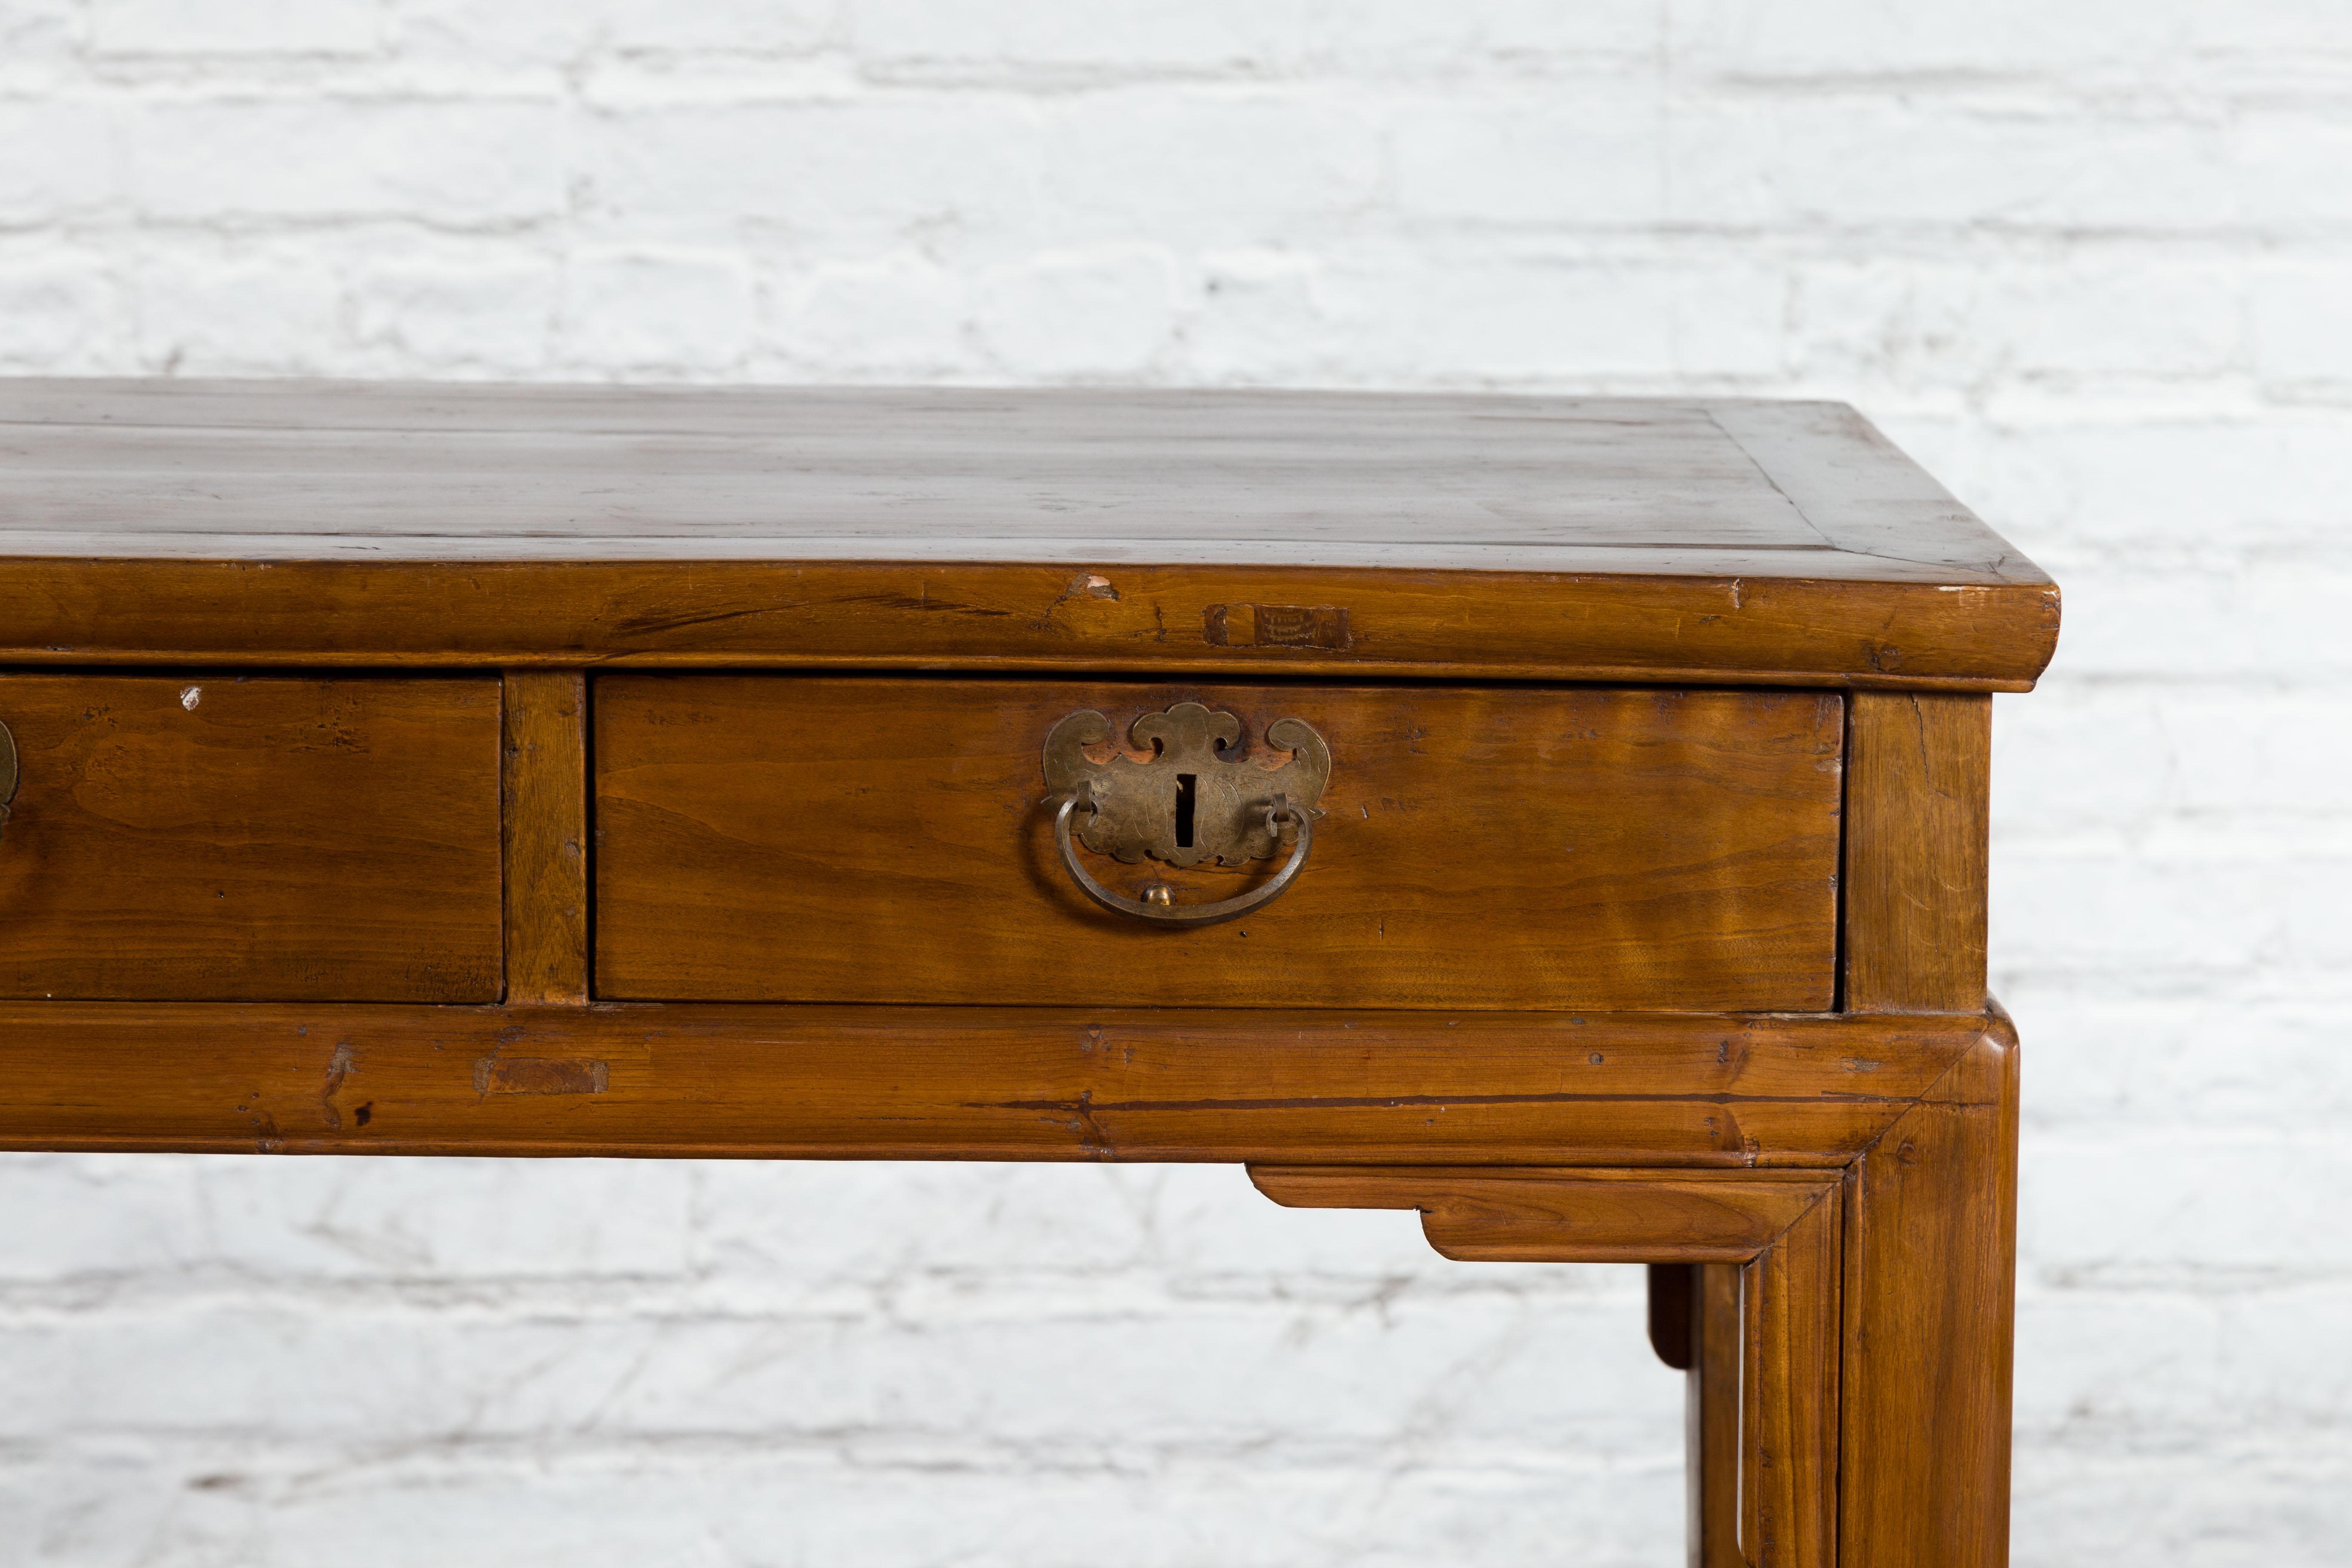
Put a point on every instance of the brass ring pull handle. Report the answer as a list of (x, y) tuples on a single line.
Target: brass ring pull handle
[(1278, 811), (8, 772), (1193, 797)]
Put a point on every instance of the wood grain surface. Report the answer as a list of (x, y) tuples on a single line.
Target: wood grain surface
[(769, 838), (1712, 1438), (1918, 843), (1415, 481), (257, 523), (1142, 620), (952, 1083), (1930, 1301), (206, 837), (543, 783), (1790, 1396)]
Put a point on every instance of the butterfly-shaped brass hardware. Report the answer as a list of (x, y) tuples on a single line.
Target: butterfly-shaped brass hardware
[(1198, 798)]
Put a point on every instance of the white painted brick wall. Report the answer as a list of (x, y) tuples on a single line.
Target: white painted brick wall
[(2091, 260)]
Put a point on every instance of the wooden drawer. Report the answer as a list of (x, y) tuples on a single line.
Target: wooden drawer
[(219, 838), (773, 838)]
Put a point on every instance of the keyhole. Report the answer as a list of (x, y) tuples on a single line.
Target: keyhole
[(1184, 783)]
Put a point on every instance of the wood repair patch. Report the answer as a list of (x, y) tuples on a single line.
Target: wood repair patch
[(1277, 626), (538, 1074)]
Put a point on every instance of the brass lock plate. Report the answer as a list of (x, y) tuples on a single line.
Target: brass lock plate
[(1197, 798)]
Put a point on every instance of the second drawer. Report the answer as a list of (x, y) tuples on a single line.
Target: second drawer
[(767, 838)]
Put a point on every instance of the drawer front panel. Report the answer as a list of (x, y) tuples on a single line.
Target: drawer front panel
[(207, 839), (787, 838)]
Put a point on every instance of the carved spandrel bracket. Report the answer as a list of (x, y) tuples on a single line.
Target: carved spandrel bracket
[(1569, 1215)]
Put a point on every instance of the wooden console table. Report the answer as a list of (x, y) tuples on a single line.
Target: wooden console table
[(1562, 817)]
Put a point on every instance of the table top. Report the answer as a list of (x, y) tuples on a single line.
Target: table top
[(287, 471), (1379, 492)]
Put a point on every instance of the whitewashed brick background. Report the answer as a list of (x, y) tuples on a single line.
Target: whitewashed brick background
[(2090, 260)]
